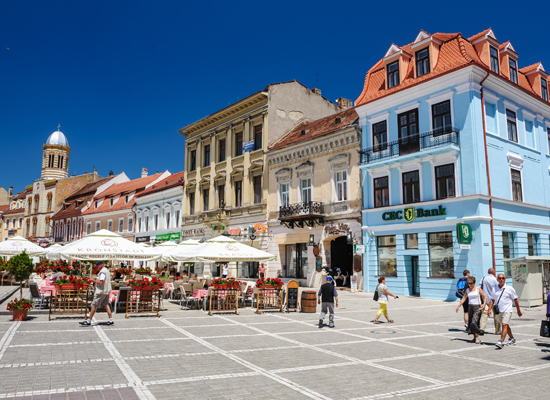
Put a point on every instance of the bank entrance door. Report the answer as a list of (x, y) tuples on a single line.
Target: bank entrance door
[(415, 277), (341, 260)]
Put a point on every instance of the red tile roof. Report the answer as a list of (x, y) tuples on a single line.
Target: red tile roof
[(14, 211), (455, 52), (480, 34), (19, 196), (88, 188), (130, 186), (2, 208), (530, 68), (168, 183), (310, 130), (73, 209)]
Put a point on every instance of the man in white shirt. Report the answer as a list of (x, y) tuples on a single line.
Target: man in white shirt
[(58, 274), (101, 294), (503, 298), (489, 284)]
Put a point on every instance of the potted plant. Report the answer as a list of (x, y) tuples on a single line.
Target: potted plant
[(20, 308), (145, 284), (269, 283), (66, 283), (20, 267)]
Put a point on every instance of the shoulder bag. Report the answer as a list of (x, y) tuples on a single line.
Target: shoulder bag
[(495, 307), (375, 297)]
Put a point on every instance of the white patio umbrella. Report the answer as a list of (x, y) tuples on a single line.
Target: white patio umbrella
[(107, 245), (17, 244), (221, 249), (53, 252), (179, 250)]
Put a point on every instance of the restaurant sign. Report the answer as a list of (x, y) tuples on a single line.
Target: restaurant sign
[(410, 213), (142, 239), (191, 232), (234, 231)]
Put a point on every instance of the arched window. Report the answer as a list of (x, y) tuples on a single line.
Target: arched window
[(28, 227), (29, 201), (34, 226), (47, 230), (49, 198), (36, 203)]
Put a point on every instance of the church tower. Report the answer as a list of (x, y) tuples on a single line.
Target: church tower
[(55, 159)]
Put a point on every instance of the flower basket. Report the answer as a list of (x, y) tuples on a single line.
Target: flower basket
[(70, 286), (156, 287), (20, 315)]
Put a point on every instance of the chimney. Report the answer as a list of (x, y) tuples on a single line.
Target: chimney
[(10, 190), (316, 91), (144, 172), (344, 104)]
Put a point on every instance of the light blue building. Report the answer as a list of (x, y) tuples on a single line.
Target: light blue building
[(452, 133)]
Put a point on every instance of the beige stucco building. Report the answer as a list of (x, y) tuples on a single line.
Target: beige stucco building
[(12, 216), (226, 184), (314, 189)]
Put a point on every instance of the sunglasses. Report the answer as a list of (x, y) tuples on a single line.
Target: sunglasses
[(501, 279), (470, 284)]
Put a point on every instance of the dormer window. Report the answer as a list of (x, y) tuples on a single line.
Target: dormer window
[(95, 204), (494, 60), (422, 62), (513, 70), (111, 202), (126, 199), (393, 74), (544, 89)]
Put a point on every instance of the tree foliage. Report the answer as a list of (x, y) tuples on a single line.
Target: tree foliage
[(20, 267)]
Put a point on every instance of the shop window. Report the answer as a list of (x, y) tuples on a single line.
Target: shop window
[(441, 118), (305, 190), (532, 244), (517, 194), (238, 144), (411, 241), (221, 196), (445, 181), (192, 203), (257, 137), (422, 62), (205, 199), (494, 60), (221, 151), (296, 261), (381, 192), (247, 269), (411, 187), (257, 182), (206, 156), (380, 136), (441, 255), (387, 256), (193, 163), (341, 186), (511, 124), (284, 193), (238, 193), (393, 74)]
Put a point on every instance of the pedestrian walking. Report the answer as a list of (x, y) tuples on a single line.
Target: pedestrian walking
[(225, 271), (326, 297), (383, 294), (101, 294), (261, 271), (489, 284), (461, 287), (476, 303), (503, 299)]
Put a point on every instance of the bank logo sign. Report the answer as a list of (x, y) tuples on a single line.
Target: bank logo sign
[(464, 233), (409, 214)]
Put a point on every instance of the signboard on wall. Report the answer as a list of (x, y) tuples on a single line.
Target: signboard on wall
[(142, 239), (359, 249), (248, 146), (410, 213), (191, 232), (463, 233)]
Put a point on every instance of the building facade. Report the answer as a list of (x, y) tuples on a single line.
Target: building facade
[(12, 217), (455, 149), (158, 211), (314, 189), (226, 185), (112, 208)]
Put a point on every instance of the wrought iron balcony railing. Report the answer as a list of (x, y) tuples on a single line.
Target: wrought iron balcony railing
[(410, 144), (300, 209)]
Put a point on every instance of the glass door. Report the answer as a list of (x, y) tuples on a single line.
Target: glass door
[(415, 277)]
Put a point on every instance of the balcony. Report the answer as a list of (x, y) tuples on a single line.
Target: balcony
[(410, 145), (307, 213)]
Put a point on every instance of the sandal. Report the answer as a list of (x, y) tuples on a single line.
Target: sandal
[(478, 341), (390, 321), (375, 321)]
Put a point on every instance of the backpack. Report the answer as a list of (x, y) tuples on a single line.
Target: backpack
[(375, 297), (461, 287)]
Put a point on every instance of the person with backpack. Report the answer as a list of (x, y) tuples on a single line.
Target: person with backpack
[(461, 287), (381, 295)]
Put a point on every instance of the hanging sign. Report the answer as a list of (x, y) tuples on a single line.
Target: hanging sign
[(218, 228), (410, 213), (234, 231), (315, 251), (464, 233), (359, 249), (248, 146), (259, 228)]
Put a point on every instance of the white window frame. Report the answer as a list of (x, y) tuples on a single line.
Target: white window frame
[(130, 226), (281, 193), (110, 225), (339, 164), (146, 223), (20, 222), (438, 161), (97, 226), (440, 98), (385, 116), (515, 161), (375, 174), (310, 188), (119, 221), (156, 221), (417, 166), (167, 219), (88, 227), (493, 99), (178, 216)]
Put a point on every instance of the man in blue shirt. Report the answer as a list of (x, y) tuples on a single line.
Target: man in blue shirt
[(327, 294)]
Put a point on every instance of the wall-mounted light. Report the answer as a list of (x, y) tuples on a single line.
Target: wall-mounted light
[(312, 240), (349, 238)]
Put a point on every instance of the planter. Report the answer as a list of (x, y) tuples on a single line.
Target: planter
[(149, 288), (20, 315), (69, 286), (269, 287)]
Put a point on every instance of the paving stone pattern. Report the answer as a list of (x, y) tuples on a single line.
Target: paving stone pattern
[(186, 354)]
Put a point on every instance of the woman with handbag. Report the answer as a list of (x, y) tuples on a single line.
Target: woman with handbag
[(476, 303), (381, 295)]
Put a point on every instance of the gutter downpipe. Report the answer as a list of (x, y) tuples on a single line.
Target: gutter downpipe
[(488, 174)]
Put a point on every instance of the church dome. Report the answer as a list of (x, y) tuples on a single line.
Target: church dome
[(58, 138)]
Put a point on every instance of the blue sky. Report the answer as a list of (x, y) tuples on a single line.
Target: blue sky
[(121, 77)]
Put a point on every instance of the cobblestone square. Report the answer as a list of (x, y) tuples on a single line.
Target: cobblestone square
[(186, 354)]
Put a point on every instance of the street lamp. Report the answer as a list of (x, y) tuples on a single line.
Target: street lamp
[(349, 238), (312, 240)]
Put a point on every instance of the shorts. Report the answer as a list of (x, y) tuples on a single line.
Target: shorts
[(465, 306), (506, 317), (100, 300), (261, 274)]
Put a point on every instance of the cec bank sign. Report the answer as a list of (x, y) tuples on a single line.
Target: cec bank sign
[(409, 214)]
